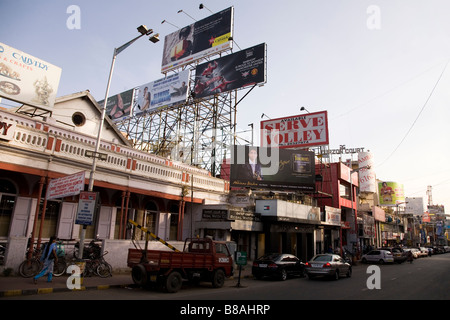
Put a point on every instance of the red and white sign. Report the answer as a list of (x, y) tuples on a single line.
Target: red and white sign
[(297, 131), (66, 186)]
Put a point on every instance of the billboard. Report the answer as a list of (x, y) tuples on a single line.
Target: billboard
[(119, 106), (391, 193), (27, 79), (260, 167), (166, 92), (198, 40), (296, 131), (234, 71), (414, 206)]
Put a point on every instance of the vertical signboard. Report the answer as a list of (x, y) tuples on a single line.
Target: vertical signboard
[(367, 178), (27, 79), (87, 204)]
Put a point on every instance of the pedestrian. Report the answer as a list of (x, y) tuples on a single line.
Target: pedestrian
[(48, 257), (410, 257)]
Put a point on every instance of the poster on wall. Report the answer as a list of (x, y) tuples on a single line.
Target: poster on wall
[(27, 79)]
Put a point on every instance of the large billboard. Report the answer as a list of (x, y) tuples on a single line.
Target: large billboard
[(198, 40), (166, 92), (261, 167), (119, 106), (27, 79), (296, 131), (391, 193), (414, 206), (367, 177), (234, 71)]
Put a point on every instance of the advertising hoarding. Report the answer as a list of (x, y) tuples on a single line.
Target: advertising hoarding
[(390, 193), (296, 131), (119, 106), (234, 71), (414, 206), (198, 40), (27, 79), (166, 92), (260, 167)]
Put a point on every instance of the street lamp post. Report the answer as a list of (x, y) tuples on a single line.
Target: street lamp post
[(155, 38)]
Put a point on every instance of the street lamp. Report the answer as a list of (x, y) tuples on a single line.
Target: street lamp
[(154, 38)]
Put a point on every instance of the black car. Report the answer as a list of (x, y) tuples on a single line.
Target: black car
[(278, 265)]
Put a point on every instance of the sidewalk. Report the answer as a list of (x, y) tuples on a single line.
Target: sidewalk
[(17, 285)]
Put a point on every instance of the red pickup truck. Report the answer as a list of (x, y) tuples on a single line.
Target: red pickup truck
[(202, 259)]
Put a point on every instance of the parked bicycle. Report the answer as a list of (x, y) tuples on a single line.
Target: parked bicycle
[(60, 267), (31, 266), (97, 266)]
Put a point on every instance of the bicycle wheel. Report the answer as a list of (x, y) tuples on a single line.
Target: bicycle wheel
[(104, 270), (28, 269), (59, 268)]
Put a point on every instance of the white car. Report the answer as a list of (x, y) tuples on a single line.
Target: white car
[(378, 256), (415, 252), (423, 252)]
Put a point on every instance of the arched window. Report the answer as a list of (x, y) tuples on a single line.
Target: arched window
[(8, 194)]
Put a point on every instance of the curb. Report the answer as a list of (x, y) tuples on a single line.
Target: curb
[(26, 292)]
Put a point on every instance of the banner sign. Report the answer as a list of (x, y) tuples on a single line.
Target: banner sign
[(166, 92), (66, 186), (27, 79), (234, 71), (297, 131), (414, 206), (367, 177), (198, 40), (260, 167)]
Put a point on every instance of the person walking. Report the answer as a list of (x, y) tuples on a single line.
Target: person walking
[(49, 257), (410, 257)]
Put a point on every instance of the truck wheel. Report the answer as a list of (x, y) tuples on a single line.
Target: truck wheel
[(174, 282), (139, 275), (218, 278)]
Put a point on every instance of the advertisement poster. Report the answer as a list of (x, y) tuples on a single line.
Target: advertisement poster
[(297, 131), (27, 79), (234, 71), (414, 206), (119, 106), (198, 40), (258, 167), (166, 92), (391, 193)]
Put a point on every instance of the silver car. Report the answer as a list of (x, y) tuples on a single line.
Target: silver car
[(378, 256), (329, 265)]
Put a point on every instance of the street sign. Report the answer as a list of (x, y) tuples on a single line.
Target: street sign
[(87, 204), (241, 258)]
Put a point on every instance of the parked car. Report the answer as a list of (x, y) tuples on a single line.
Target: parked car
[(378, 256), (329, 265), (414, 251), (423, 252), (278, 265), (398, 253)]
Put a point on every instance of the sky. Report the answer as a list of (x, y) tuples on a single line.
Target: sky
[(379, 67)]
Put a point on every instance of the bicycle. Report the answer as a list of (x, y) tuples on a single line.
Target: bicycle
[(97, 266), (60, 267), (31, 266)]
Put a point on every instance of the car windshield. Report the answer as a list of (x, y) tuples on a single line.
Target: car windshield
[(323, 258)]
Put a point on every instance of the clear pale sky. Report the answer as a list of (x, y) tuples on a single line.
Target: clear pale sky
[(378, 67)]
